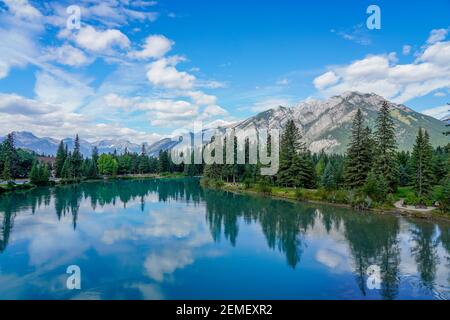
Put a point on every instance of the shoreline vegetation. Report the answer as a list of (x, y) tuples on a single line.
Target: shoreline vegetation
[(338, 198), (372, 175), (25, 186)]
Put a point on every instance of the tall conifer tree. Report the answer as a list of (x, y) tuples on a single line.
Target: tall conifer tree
[(386, 163), (421, 163), (359, 153)]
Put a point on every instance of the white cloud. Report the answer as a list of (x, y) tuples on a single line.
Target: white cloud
[(91, 39), (382, 75), (283, 82), (155, 46), (327, 79), (62, 92), (202, 98), (437, 35), (23, 9), (213, 111), (406, 50), (163, 73), (437, 112), (270, 103), (15, 104), (440, 94), (17, 113), (357, 34), (67, 55), (115, 101)]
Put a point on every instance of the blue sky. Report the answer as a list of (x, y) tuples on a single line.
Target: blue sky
[(143, 69)]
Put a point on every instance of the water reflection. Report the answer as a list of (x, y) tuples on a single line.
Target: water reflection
[(163, 238)]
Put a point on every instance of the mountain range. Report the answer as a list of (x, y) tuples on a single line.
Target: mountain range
[(325, 125)]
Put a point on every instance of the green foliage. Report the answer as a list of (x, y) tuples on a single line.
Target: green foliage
[(386, 164), (6, 173), (376, 187), (39, 174), (107, 165), (61, 156), (422, 165), (444, 198), (264, 187), (359, 153)]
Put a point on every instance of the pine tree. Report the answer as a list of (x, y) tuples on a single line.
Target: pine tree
[(359, 153), (10, 154), (60, 159), (34, 174), (76, 159), (289, 149), (164, 162), (422, 166), (303, 172), (6, 173), (66, 172), (44, 175), (328, 180), (386, 164)]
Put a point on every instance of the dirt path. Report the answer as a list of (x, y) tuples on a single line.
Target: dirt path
[(399, 205)]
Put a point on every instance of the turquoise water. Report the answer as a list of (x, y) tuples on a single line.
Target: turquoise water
[(171, 239)]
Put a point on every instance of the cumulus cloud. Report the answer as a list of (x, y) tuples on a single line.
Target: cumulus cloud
[(437, 35), (325, 80), (15, 104), (164, 73), (155, 46), (438, 112), (202, 98), (43, 119), (382, 74), (97, 40), (67, 55), (22, 9), (406, 50)]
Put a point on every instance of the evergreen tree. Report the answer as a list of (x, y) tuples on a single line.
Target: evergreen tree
[(376, 186), (95, 157), (6, 173), (303, 171), (328, 180), (164, 162), (290, 147), (9, 154), (386, 164), (61, 156), (66, 172), (422, 166), (76, 159), (34, 174), (359, 153)]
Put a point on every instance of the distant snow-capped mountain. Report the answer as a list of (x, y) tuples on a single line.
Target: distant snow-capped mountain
[(325, 125), (49, 146)]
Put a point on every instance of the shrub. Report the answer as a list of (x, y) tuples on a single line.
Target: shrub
[(299, 194), (247, 183), (264, 187)]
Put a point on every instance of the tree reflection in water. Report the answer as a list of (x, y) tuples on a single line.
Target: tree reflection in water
[(371, 239)]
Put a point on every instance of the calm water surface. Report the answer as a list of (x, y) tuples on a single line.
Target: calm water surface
[(171, 239)]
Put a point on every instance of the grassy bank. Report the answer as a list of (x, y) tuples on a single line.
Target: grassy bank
[(345, 198), (12, 187), (6, 188)]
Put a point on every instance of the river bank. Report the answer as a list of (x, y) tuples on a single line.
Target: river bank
[(337, 199), (24, 185)]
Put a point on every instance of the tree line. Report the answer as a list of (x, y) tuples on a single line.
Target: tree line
[(371, 170)]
